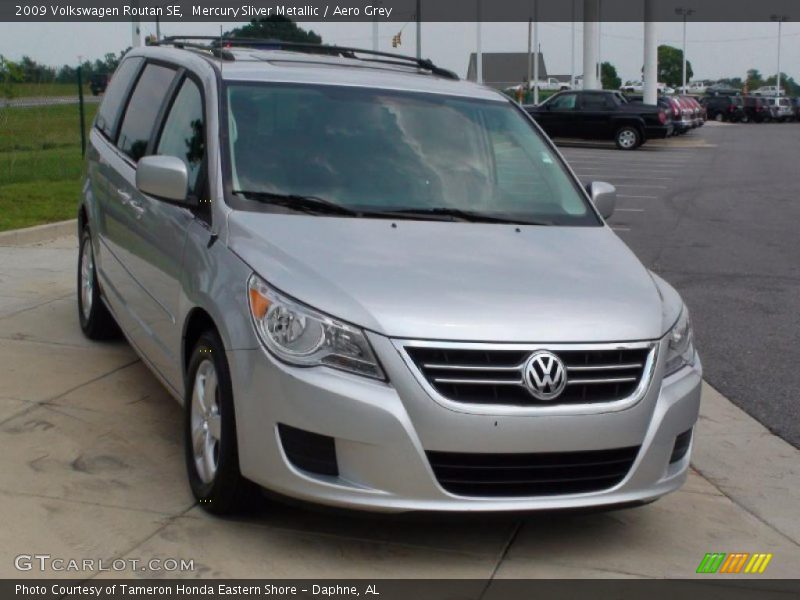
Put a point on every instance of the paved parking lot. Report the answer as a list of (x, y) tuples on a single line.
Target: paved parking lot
[(92, 463), (715, 213)]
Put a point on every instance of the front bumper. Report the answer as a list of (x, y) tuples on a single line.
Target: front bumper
[(383, 430)]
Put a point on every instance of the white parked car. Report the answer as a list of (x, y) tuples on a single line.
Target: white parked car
[(769, 90), (553, 84), (632, 86), (638, 87), (698, 87)]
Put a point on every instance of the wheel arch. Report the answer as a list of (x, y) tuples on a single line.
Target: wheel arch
[(197, 322)]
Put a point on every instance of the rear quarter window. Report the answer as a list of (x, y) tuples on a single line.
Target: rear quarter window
[(114, 99)]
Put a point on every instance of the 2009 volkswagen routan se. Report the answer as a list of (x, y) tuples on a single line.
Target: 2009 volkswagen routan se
[(374, 286)]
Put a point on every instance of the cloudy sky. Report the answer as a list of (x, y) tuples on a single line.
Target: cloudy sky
[(714, 49)]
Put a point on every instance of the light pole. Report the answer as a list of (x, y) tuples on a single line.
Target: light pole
[(419, 28), (537, 51), (479, 49), (572, 50), (684, 12), (781, 19)]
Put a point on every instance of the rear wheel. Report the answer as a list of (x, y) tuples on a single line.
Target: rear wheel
[(95, 319), (627, 137), (211, 447)]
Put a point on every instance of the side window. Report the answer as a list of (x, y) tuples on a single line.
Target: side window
[(184, 131), (108, 113), (594, 102), (143, 108), (564, 102)]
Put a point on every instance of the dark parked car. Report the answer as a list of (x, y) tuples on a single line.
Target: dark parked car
[(796, 106), (98, 83), (755, 109), (601, 115), (724, 108)]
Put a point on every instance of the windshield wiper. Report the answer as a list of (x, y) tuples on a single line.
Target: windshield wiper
[(317, 205), (312, 204), (466, 215)]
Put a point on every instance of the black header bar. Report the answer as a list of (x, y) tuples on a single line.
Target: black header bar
[(399, 11)]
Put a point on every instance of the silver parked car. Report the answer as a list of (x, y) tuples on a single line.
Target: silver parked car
[(375, 286)]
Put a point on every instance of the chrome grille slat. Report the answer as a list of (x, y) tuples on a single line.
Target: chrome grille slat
[(493, 375), (605, 367), (477, 381), (596, 381), (471, 367)]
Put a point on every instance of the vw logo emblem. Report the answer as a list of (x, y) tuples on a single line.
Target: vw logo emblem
[(544, 375)]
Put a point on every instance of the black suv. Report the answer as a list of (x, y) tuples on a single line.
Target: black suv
[(98, 83), (601, 115), (755, 109), (724, 108)]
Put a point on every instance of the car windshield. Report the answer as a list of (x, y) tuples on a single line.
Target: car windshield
[(383, 151)]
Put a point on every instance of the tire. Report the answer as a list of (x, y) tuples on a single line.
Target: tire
[(628, 137), (95, 319), (210, 442)]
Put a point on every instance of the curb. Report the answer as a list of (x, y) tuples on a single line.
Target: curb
[(753, 467), (38, 233)]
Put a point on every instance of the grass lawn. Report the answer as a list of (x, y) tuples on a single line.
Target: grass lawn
[(33, 90), (40, 164)]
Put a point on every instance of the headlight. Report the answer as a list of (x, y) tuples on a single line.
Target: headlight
[(300, 335), (680, 348)]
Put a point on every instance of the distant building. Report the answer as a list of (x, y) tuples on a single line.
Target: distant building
[(505, 69)]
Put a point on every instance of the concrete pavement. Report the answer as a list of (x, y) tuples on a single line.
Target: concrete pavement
[(92, 467)]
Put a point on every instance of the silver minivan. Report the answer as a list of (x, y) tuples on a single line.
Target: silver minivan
[(374, 286)]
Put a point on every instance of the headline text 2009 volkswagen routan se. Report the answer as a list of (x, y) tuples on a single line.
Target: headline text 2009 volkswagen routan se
[(374, 286)]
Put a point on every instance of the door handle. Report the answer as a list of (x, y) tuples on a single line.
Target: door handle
[(137, 207), (125, 197)]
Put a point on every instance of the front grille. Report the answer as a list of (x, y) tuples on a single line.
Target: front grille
[(493, 376), (548, 474)]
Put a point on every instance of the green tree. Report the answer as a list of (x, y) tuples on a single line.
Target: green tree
[(754, 79), (731, 82), (609, 77), (670, 66), (275, 28), (10, 73)]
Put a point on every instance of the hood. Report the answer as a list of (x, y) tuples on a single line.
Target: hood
[(456, 281)]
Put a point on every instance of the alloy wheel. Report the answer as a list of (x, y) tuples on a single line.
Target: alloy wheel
[(87, 278), (627, 138), (206, 423)]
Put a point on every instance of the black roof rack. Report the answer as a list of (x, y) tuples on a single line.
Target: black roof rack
[(221, 46)]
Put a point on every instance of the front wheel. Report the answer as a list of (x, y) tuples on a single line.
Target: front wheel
[(212, 456), (628, 138)]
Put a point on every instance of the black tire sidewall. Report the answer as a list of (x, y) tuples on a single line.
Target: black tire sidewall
[(222, 493)]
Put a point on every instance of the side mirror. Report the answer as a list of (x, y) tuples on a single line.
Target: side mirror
[(604, 197), (163, 177)]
